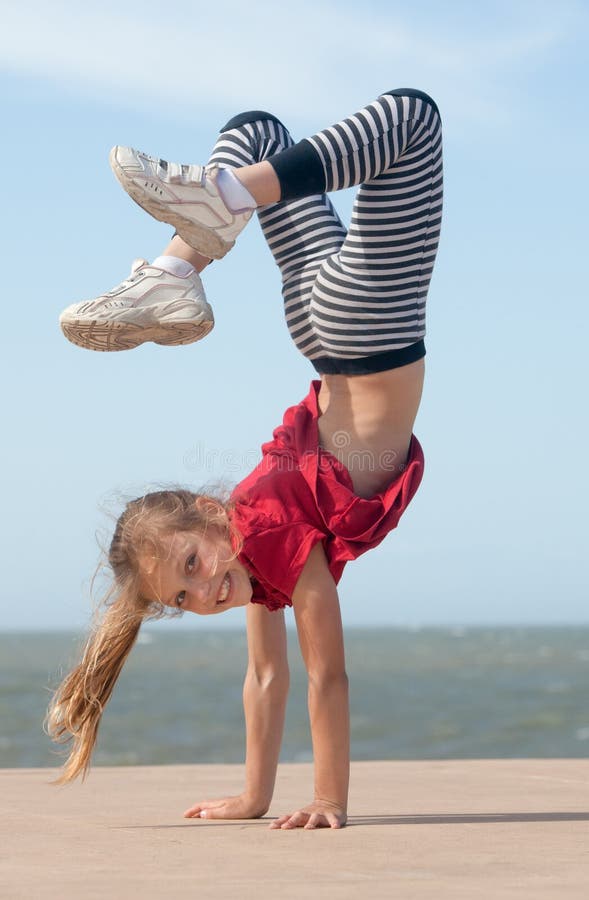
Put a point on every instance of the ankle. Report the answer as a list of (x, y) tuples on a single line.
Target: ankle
[(181, 250), (236, 196), (175, 266)]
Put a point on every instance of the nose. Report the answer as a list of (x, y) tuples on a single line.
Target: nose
[(203, 595)]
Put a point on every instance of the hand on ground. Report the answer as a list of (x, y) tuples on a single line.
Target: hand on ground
[(240, 807), (319, 814)]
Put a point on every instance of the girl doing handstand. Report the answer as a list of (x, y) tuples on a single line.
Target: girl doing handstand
[(343, 465)]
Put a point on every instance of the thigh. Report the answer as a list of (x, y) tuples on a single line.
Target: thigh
[(302, 234)]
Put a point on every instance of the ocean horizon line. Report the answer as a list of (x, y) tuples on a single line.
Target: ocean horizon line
[(376, 626)]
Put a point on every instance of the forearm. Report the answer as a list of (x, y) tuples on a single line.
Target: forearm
[(330, 729), (264, 703)]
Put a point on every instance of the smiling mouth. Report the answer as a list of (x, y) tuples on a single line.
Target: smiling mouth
[(224, 590)]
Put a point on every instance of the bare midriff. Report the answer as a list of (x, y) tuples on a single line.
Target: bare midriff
[(367, 421)]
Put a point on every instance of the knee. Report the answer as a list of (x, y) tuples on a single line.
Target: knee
[(253, 115), (413, 92)]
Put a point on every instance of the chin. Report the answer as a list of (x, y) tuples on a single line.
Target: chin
[(244, 590), (245, 597)]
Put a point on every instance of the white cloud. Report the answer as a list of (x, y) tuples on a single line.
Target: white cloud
[(322, 56)]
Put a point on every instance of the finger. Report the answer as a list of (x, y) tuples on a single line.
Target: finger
[(315, 821), (333, 820), (296, 820), (193, 811), (214, 811), (278, 823), (197, 810)]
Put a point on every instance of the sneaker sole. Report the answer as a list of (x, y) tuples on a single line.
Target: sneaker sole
[(199, 237), (96, 334)]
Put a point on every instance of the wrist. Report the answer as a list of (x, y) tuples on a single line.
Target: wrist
[(329, 801), (256, 804)]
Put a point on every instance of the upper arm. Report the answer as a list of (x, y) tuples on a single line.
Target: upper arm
[(318, 618), (266, 641)]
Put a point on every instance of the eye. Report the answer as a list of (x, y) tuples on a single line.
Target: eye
[(191, 563), (180, 599)]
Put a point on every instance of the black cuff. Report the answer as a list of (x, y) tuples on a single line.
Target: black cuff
[(368, 365), (299, 170)]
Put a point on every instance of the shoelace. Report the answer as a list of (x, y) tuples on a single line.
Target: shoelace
[(125, 283)]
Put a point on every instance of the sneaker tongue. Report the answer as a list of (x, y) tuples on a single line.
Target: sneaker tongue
[(138, 264)]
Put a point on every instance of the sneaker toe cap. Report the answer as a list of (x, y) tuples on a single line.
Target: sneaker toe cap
[(127, 159)]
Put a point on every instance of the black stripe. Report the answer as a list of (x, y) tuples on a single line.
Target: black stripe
[(352, 178), (329, 138), (350, 347), (388, 115), (408, 322), (371, 156)]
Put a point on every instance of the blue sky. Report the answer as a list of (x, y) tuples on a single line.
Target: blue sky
[(497, 531)]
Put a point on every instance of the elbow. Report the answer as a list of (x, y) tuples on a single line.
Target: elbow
[(275, 679), (327, 679)]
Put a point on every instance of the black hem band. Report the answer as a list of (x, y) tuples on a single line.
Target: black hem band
[(368, 365)]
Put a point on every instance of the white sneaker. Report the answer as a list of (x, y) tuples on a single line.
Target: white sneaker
[(186, 197), (150, 305)]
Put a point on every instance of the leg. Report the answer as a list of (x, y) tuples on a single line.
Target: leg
[(181, 250), (165, 302), (363, 309), (368, 304), (365, 303), (366, 311), (300, 233)]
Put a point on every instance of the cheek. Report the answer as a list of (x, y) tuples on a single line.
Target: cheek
[(149, 587), (150, 577)]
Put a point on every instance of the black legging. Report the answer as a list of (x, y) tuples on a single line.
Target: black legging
[(355, 300)]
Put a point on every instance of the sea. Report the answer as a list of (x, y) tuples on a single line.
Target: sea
[(419, 693)]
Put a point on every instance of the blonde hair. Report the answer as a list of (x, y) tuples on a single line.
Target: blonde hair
[(78, 703)]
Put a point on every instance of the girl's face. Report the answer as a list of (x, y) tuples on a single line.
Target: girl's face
[(196, 572)]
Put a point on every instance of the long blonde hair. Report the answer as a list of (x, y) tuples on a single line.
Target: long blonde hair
[(78, 703)]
